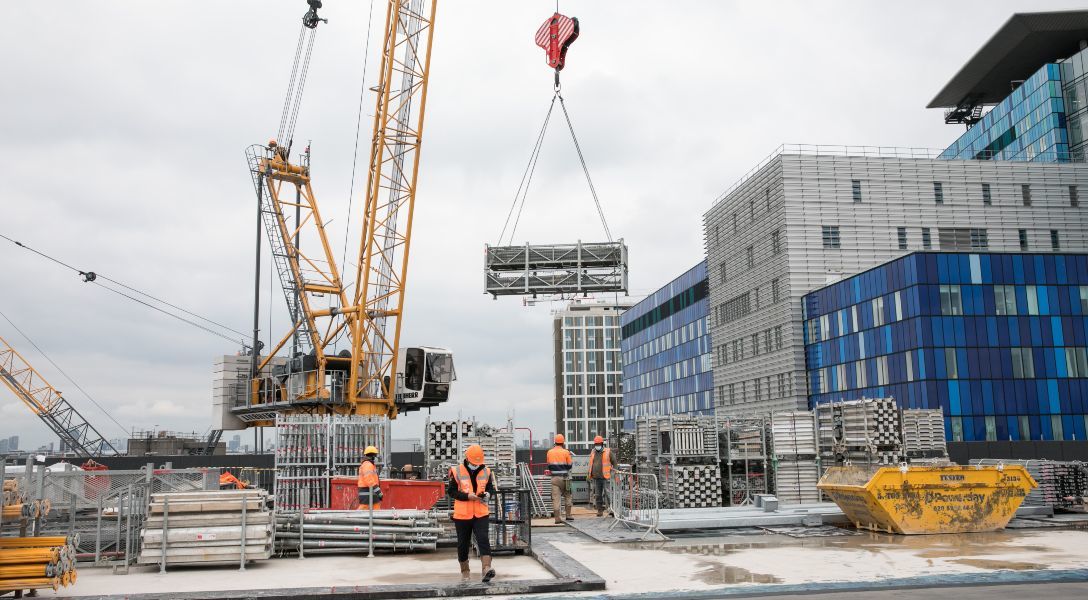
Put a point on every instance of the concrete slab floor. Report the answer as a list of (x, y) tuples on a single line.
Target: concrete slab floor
[(314, 571), (707, 563)]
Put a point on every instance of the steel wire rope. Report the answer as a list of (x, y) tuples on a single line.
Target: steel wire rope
[(354, 162), (527, 176), (63, 373), (291, 85), (300, 89), (172, 315), (92, 277), (585, 168)]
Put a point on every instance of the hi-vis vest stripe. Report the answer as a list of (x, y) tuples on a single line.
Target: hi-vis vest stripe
[(606, 462)]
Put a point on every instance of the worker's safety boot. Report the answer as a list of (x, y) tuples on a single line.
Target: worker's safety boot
[(465, 572), (485, 566)]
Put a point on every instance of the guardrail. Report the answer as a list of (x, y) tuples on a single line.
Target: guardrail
[(635, 501)]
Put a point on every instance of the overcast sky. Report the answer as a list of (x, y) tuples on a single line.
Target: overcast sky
[(123, 126)]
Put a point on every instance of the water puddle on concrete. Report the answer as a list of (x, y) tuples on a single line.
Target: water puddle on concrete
[(716, 574), (997, 565)]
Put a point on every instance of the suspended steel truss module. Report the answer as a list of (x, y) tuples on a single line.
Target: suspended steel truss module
[(45, 401)]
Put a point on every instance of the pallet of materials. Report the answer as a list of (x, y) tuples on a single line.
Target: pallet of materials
[(795, 481), (690, 486), (213, 527), (923, 434), (793, 433), (349, 531)]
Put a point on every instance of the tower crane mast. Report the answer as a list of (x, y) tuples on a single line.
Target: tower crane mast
[(374, 376)]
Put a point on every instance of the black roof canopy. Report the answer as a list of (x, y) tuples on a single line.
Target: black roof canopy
[(1024, 43)]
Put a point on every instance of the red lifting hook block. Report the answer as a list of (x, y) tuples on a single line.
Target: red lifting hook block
[(556, 35)]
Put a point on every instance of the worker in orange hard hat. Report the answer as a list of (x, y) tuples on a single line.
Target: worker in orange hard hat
[(471, 487), (370, 491), (601, 462), (559, 462)]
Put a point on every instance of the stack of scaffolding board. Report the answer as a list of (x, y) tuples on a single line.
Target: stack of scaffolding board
[(796, 468), (923, 436), (207, 528), (860, 431), (744, 455), (690, 486)]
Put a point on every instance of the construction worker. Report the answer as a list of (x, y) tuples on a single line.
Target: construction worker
[(370, 491), (601, 463), (559, 462), (470, 486)]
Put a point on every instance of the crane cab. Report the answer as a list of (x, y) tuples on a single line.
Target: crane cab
[(424, 377)]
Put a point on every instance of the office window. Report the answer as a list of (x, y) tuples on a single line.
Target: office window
[(755, 344), (1023, 234), (950, 366), (901, 236), (759, 388), (721, 273), (957, 429), (732, 396), (1023, 364), (767, 193), (1055, 243), (831, 236), (1074, 198), (954, 238), (881, 370), (987, 199), (878, 311), (1025, 427), (778, 328), (1076, 362), (781, 385), (757, 297), (938, 192), (736, 356), (767, 341), (776, 243), (909, 358), (1005, 299), (951, 301), (1084, 299), (750, 252), (774, 290), (991, 428), (1025, 192), (927, 240), (735, 228), (979, 240), (855, 186), (859, 373), (752, 209), (717, 235)]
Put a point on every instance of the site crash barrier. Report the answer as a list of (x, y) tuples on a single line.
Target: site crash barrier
[(635, 501)]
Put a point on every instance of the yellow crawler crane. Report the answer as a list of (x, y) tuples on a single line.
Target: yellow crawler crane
[(373, 375)]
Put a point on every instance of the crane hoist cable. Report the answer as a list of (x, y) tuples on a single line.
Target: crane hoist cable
[(98, 278), (63, 373), (555, 36), (300, 68)]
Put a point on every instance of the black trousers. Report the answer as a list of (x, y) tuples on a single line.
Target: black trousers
[(466, 529)]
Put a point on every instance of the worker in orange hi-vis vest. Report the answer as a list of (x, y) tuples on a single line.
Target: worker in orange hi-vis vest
[(559, 463), (471, 487), (370, 491), (601, 462)]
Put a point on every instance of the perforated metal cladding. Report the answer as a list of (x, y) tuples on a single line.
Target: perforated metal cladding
[(797, 195)]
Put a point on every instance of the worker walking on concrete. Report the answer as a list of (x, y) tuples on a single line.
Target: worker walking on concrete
[(559, 462), (471, 486), (370, 491), (601, 463)]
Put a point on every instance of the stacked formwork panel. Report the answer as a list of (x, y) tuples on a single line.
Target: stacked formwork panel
[(207, 528), (745, 460), (311, 449), (682, 450), (795, 458), (923, 436), (864, 431), (498, 455), (444, 445)]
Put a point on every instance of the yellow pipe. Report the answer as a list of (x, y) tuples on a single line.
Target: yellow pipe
[(33, 542), (27, 583)]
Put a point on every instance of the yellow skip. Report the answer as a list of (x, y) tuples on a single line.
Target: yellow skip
[(917, 500)]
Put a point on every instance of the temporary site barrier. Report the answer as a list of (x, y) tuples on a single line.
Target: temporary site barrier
[(635, 501)]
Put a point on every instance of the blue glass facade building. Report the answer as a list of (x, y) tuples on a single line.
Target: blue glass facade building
[(997, 341), (666, 350), (1030, 124)]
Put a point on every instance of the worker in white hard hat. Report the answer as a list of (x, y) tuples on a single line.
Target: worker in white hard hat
[(370, 491)]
